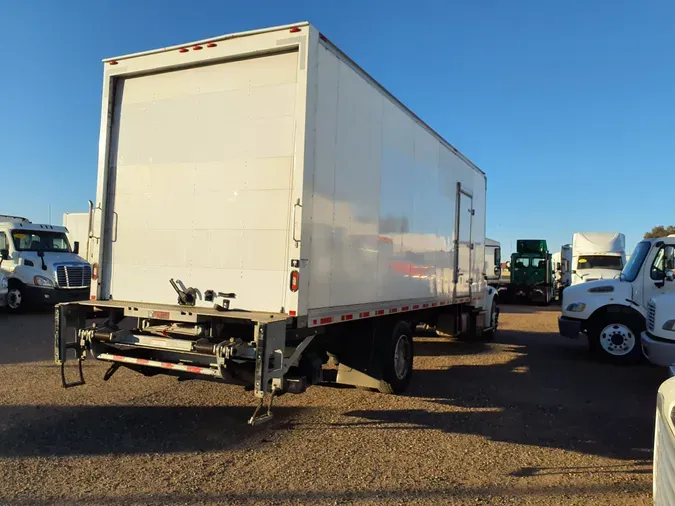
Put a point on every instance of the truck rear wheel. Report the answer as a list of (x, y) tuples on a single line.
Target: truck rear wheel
[(397, 360), (616, 339)]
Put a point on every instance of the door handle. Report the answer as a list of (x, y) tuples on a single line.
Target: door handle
[(296, 206)]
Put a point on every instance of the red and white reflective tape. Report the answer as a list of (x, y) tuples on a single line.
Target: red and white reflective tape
[(328, 320), (160, 365)]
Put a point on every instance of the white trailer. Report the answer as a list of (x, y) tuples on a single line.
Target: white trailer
[(262, 205), (597, 255), (78, 230)]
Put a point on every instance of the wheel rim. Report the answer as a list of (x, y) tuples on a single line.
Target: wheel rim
[(402, 356), (617, 339), (14, 298)]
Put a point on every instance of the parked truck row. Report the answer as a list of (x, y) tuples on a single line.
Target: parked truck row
[(255, 219)]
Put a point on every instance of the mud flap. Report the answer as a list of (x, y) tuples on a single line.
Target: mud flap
[(68, 319), (270, 340)]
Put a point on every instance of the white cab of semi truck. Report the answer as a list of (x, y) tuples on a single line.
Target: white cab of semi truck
[(263, 206), (493, 261), (41, 265), (614, 313), (562, 267), (597, 255)]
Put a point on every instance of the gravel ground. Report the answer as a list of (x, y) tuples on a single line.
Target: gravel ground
[(528, 419)]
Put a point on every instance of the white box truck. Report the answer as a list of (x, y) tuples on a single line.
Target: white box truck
[(78, 227), (264, 206), (562, 267), (613, 313), (597, 255)]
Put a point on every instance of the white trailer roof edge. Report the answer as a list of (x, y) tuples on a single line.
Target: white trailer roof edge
[(205, 41), (343, 56), (332, 47)]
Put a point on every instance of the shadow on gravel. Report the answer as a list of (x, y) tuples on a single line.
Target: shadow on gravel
[(441, 495), (47, 431), (27, 337), (550, 394)]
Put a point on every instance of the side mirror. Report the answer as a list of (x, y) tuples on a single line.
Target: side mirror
[(41, 254), (670, 275), (76, 247), (4, 254)]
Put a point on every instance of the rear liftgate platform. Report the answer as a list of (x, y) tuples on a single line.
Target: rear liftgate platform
[(197, 356)]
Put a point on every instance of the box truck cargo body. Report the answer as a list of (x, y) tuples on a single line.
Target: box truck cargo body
[(273, 180), (597, 255)]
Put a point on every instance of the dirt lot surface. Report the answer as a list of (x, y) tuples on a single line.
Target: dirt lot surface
[(528, 419)]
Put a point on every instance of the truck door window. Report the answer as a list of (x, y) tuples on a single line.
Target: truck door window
[(665, 260)]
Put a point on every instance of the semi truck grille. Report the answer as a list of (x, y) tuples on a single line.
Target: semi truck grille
[(73, 276), (651, 315)]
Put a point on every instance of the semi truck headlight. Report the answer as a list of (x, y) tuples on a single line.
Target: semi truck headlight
[(669, 325), (42, 281), (576, 307)]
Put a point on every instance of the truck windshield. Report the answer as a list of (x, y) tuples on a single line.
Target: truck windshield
[(632, 269), (40, 240), (538, 263), (599, 262)]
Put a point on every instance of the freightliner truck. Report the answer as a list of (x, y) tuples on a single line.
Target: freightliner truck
[(531, 273)]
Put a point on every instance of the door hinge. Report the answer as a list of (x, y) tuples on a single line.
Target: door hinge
[(472, 211)]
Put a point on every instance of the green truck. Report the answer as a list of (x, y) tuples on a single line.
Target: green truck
[(531, 273)]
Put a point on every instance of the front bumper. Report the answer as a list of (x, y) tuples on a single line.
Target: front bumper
[(658, 351), (569, 327), (49, 296)]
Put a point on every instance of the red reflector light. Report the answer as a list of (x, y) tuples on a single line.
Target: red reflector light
[(94, 271), (196, 48), (113, 63), (92, 297), (183, 50), (211, 44), (295, 277), (292, 313), (295, 29)]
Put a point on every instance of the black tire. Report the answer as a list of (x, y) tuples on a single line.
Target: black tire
[(16, 300), (619, 333), (396, 368)]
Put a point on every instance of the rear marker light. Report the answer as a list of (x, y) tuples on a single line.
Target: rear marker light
[(211, 44), (183, 50), (94, 271), (113, 63), (295, 29), (93, 297), (197, 48), (295, 276)]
